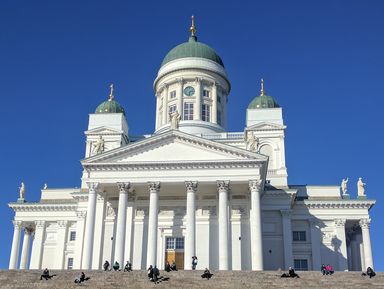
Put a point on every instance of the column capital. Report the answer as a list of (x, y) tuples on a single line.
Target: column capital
[(39, 224), (154, 187), (180, 80), (339, 223), (255, 185), (198, 79), (191, 186), (17, 224), (92, 186), (223, 186), (124, 187), (28, 230), (62, 224), (81, 214), (365, 223), (286, 213)]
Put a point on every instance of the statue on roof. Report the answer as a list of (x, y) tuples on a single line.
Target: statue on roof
[(45, 186), (22, 191), (251, 142), (174, 119), (99, 146), (361, 188), (344, 186)]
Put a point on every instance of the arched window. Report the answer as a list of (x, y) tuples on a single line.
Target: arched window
[(268, 151)]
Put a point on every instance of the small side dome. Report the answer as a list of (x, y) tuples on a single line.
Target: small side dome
[(110, 106), (263, 100)]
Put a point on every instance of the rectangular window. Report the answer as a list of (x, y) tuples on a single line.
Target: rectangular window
[(188, 111), (72, 236), (299, 236), (70, 264), (219, 117), (170, 243), (179, 243), (172, 94), (206, 93), (172, 108), (173, 243), (301, 264), (206, 112)]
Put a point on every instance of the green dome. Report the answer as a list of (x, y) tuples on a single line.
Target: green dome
[(263, 101), (110, 106), (192, 48)]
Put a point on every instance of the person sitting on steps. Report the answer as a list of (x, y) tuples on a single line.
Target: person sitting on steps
[(156, 274), (207, 274), (116, 266), (323, 269), (291, 274), (369, 273), (150, 273), (106, 265), (329, 270), (167, 267), (173, 266), (46, 275), (128, 267), (82, 278)]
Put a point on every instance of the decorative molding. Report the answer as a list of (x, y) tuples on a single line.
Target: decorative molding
[(40, 224), (124, 187), (340, 223), (92, 186), (28, 229), (101, 196), (81, 214), (239, 210), (255, 185), (38, 207), (17, 224), (62, 224), (191, 186), (365, 223), (141, 212), (223, 186), (154, 187), (342, 204)]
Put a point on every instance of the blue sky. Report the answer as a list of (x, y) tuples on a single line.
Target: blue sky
[(321, 60)]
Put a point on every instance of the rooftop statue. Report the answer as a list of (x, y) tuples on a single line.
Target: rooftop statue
[(251, 142), (174, 119), (22, 191), (344, 186), (360, 188), (98, 147)]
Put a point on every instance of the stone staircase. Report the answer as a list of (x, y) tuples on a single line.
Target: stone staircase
[(29, 279)]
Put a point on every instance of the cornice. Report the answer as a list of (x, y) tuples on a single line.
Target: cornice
[(342, 204), (38, 207)]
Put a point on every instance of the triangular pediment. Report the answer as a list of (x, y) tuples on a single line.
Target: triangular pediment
[(103, 130), (266, 126), (173, 146)]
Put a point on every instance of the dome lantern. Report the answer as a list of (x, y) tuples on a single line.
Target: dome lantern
[(110, 105)]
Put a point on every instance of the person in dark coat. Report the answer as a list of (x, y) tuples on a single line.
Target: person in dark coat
[(116, 266), (323, 269), (46, 275), (173, 266), (291, 274), (369, 273), (106, 265), (167, 267), (128, 267), (82, 278), (156, 274), (207, 274), (150, 272)]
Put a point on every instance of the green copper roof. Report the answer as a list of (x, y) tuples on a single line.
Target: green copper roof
[(110, 106), (263, 101), (192, 48)]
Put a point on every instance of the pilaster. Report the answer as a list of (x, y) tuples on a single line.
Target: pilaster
[(287, 235), (341, 244), (368, 260)]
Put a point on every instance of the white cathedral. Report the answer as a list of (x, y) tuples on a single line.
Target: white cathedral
[(191, 189)]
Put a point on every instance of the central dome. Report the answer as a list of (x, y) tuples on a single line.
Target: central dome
[(192, 48)]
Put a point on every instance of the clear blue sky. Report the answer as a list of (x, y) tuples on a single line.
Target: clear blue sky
[(323, 61)]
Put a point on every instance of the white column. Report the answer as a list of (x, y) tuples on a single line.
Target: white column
[(223, 188), (315, 242), (25, 250), (197, 108), (15, 245), (121, 222), (165, 105), (342, 244), (368, 260), (37, 245), (129, 232), (180, 97), (60, 244), (255, 187), (154, 188), (80, 225), (287, 235), (98, 234), (190, 237), (90, 226), (214, 104)]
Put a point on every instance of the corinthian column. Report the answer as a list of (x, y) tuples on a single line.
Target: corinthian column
[(214, 103), (368, 260), (197, 111), (340, 234), (90, 226), (287, 235), (25, 250), (180, 97), (223, 188), (154, 188), (121, 222), (255, 187), (37, 246), (165, 105), (15, 245), (190, 242)]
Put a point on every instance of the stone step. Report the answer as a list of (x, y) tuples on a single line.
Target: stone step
[(28, 279)]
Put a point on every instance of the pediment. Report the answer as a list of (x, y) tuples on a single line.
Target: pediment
[(173, 146), (103, 130), (266, 126)]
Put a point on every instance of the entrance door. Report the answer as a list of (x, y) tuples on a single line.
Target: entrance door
[(174, 251)]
